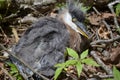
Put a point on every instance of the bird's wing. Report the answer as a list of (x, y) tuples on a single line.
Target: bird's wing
[(43, 45)]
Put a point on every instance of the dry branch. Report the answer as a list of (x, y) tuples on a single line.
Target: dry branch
[(7, 73), (104, 76), (105, 41), (100, 62), (110, 5)]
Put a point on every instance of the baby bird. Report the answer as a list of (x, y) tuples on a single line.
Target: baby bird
[(43, 45)]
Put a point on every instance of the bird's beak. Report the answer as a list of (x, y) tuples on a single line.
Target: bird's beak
[(81, 28)]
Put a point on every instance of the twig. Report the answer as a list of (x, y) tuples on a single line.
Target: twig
[(99, 61), (105, 41), (72, 76), (96, 11), (97, 35), (25, 64), (3, 58), (3, 32), (15, 34), (103, 21), (110, 5), (6, 72), (104, 76), (100, 46), (10, 17)]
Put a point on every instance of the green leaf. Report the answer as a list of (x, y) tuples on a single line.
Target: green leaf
[(16, 74), (2, 4), (70, 62), (116, 73), (19, 77), (72, 53), (117, 10), (79, 67), (60, 65), (84, 8), (13, 72), (108, 79), (90, 62), (57, 73), (84, 54)]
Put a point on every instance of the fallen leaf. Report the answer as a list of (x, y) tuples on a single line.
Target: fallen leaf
[(115, 55), (94, 19), (107, 15), (103, 33), (15, 34)]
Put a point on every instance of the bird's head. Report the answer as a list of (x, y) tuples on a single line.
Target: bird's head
[(73, 17)]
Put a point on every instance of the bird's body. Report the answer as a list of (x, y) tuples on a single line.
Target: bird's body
[(44, 44)]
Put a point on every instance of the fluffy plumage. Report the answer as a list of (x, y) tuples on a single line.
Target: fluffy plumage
[(44, 44)]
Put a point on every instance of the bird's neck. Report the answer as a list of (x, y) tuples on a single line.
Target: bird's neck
[(67, 19)]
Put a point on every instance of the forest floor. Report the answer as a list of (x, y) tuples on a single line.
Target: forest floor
[(103, 28)]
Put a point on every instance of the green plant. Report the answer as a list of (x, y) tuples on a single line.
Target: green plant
[(14, 71), (78, 61), (116, 73), (85, 9), (117, 9), (2, 3), (60, 5)]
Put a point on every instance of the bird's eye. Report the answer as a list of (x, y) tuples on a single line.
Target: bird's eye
[(74, 19)]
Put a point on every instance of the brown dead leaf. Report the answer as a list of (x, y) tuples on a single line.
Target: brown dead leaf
[(15, 34), (115, 55), (103, 33), (71, 70), (1, 64), (1, 72), (91, 69), (114, 58), (118, 65), (107, 15), (94, 19)]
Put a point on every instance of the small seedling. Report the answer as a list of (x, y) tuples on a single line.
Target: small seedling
[(77, 60), (14, 71)]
